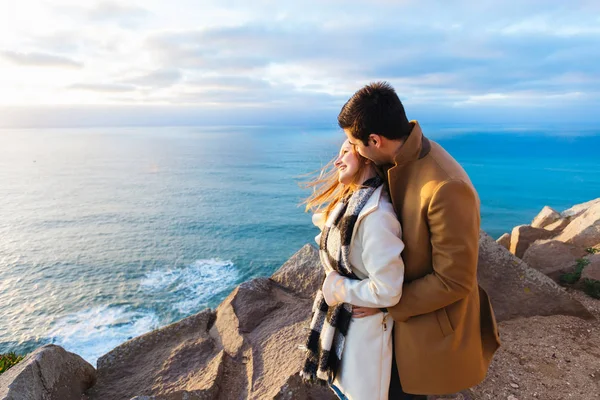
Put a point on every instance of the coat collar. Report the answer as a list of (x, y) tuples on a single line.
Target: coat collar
[(372, 204), (412, 147)]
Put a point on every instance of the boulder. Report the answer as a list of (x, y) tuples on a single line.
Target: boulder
[(552, 257), (516, 290), (557, 226), (592, 270), (583, 231), (579, 209), (177, 357), (302, 273), (504, 241), (547, 216), (49, 373), (523, 236), (246, 348)]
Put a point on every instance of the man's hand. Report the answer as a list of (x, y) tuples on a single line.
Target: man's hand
[(361, 312)]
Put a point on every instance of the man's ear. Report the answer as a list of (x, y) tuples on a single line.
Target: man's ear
[(375, 140)]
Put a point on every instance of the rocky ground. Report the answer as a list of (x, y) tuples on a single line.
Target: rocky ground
[(551, 358)]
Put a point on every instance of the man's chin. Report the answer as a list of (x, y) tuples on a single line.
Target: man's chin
[(373, 160)]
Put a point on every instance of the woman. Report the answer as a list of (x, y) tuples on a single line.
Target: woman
[(350, 342)]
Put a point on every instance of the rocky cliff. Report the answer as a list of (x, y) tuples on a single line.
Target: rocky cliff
[(248, 346)]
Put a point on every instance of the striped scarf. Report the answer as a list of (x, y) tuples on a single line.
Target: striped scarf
[(329, 325)]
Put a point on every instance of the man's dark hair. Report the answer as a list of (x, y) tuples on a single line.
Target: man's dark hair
[(377, 109)]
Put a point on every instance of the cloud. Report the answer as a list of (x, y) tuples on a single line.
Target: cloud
[(102, 87), (108, 10), (34, 59), (319, 59), (233, 55), (156, 79)]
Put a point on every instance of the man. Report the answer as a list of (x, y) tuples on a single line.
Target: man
[(445, 332)]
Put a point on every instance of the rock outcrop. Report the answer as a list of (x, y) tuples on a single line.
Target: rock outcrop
[(546, 217), (579, 209), (584, 230), (558, 226), (592, 270), (552, 257), (516, 290), (302, 273), (504, 241), (246, 348), (49, 373), (523, 236)]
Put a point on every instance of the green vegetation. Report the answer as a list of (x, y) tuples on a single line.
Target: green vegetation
[(573, 277), (591, 250), (8, 360), (592, 288)]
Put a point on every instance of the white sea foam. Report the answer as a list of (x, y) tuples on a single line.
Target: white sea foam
[(160, 280), (194, 285), (93, 332)]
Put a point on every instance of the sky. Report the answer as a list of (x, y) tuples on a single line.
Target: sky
[(179, 62)]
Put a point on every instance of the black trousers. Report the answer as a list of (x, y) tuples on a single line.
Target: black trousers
[(396, 392)]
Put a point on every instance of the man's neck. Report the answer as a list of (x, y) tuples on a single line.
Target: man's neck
[(396, 145), (394, 149)]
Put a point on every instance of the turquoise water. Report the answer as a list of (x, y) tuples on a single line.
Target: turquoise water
[(108, 233)]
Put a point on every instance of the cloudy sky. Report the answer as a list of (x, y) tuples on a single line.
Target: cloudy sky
[(194, 61)]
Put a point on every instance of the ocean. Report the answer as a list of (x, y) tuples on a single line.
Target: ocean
[(107, 233)]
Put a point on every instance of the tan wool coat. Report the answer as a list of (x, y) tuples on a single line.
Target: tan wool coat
[(445, 333)]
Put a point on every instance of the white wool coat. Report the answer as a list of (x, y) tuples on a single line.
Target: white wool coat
[(375, 256)]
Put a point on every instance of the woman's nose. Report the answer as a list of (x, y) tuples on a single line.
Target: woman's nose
[(337, 161)]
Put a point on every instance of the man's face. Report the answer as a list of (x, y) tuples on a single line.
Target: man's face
[(371, 152)]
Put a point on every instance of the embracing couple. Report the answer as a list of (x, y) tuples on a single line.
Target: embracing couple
[(400, 314)]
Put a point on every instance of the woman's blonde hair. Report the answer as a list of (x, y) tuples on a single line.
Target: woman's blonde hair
[(328, 190)]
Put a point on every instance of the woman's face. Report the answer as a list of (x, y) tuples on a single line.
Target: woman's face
[(347, 163)]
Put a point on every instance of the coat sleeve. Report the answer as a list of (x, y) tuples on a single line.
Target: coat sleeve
[(453, 218), (380, 236)]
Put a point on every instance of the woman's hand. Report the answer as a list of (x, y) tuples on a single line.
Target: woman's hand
[(361, 312)]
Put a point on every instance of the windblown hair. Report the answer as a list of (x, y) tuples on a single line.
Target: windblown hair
[(376, 109), (327, 190)]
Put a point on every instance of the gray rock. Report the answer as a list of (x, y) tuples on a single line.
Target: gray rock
[(178, 357), (295, 389), (49, 373), (583, 231), (504, 241), (592, 270), (557, 226), (523, 236), (547, 216), (302, 273), (181, 395), (552, 257), (517, 290), (579, 209)]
